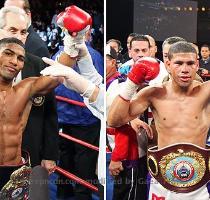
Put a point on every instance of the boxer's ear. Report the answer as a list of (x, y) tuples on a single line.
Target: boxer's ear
[(197, 65), (167, 66)]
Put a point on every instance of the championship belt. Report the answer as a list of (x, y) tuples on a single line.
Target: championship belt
[(181, 167), (18, 186)]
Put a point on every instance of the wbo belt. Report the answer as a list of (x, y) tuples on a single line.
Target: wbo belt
[(180, 167)]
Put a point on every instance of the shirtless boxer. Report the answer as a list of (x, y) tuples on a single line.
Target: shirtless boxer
[(16, 102), (181, 110)]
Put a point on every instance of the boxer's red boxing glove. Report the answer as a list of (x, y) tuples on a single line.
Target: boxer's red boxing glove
[(74, 19), (144, 69), (75, 22)]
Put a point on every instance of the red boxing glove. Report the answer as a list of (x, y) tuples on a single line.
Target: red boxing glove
[(74, 20), (144, 69)]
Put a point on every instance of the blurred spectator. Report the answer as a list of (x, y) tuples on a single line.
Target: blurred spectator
[(116, 45), (34, 44), (205, 59), (126, 56)]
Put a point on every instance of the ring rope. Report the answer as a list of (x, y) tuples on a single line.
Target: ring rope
[(70, 101), (76, 178), (68, 137), (205, 75)]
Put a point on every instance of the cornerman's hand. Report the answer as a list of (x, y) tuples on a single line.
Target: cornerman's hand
[(138, 124), (72, 80), (55, 69), (49, 165), (115, 167)]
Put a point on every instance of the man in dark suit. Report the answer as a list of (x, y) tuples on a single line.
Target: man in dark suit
[(41, 134), (34, 44)]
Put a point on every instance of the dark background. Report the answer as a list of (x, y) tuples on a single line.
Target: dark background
[(165, 18), (120, 21)]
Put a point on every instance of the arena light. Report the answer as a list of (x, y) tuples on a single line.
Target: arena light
[(203, 9)]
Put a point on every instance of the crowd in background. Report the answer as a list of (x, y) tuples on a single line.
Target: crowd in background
[(44, 21)]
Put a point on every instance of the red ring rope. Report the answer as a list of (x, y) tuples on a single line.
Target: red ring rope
[(70, 101), (205, 75), (75, 178), (68, 137)]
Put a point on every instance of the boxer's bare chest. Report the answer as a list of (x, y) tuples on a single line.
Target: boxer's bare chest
[(177, 111), (12, 105)]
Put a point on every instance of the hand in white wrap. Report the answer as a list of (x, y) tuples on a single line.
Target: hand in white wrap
[(70, 43), (75, 22), (72, 79)]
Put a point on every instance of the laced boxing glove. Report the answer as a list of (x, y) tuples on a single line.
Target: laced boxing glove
[(143, 70), (75, 22)]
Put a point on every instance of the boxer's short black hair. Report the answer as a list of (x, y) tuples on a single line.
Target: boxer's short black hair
[(180, 47), (11, 40)]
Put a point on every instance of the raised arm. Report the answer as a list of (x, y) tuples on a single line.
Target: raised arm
[(44, 84), (123, 109)]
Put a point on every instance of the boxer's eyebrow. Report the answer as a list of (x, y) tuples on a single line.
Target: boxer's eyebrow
[(22, 57), (191, 62), (178, 62), (9, 50)]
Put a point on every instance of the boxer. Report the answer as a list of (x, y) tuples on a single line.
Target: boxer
[(19, 96), (16, 102), (181, 110)]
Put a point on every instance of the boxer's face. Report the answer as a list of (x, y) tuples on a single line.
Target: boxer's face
[(183, 68), (16, 26), (12, 58), (139, 49)]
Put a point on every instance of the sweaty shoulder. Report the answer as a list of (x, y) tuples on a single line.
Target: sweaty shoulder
[(26, 83), (153, 90), (206, 88), (206, 84)]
